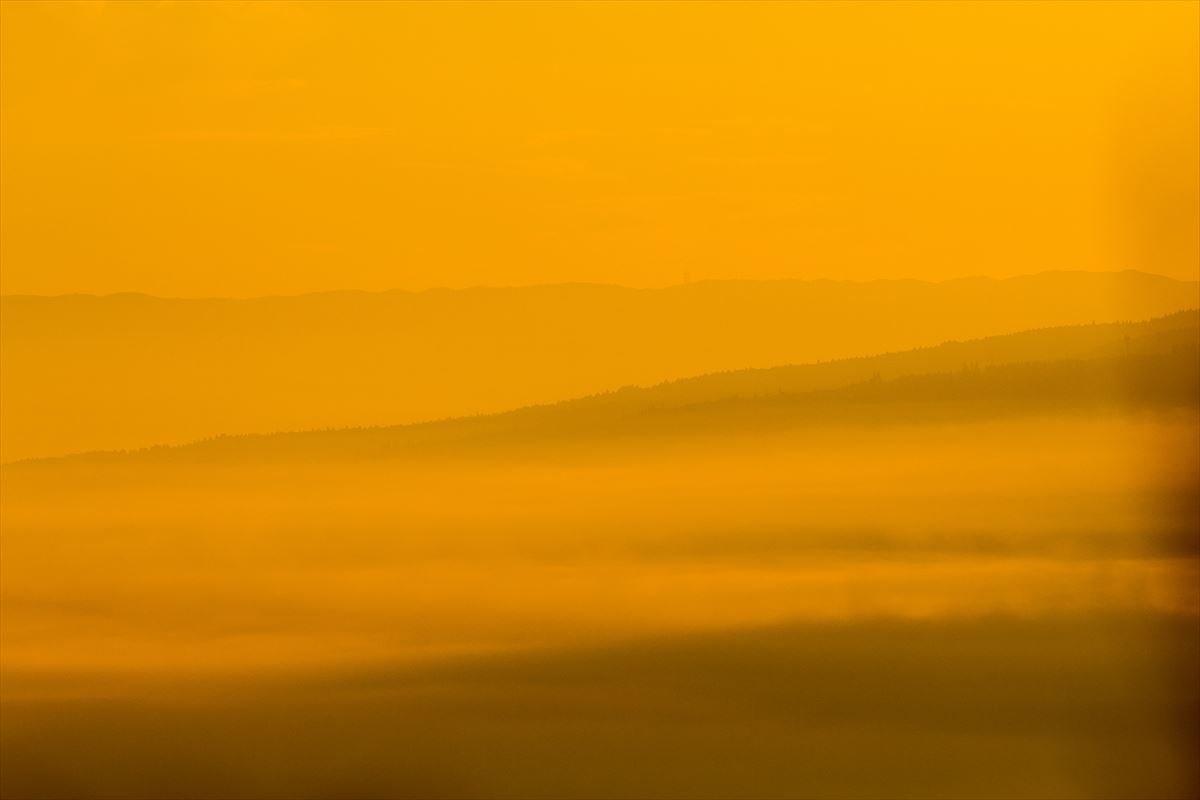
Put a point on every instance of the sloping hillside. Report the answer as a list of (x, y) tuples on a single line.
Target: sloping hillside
[(124, 371), (1084, 369)]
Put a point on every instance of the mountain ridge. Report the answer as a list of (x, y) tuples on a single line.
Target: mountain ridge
[(133, 294), (1077, 347), (87, 373)]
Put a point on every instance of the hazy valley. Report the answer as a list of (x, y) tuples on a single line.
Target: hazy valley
[(938, 560)]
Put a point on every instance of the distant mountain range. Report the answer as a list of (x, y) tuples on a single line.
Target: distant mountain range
[(1115, 367), (88, 373)]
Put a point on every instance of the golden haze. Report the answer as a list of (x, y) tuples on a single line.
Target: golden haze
[(711, 472)]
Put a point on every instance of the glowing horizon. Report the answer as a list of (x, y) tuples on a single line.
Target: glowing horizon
[(241, 150)]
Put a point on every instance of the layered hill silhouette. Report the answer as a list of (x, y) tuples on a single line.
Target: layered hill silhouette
[(853, 546), (86, 373), (1115, 367), (769, 566)]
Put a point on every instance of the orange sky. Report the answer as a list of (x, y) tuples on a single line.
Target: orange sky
[(227, 149)]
